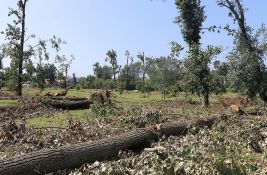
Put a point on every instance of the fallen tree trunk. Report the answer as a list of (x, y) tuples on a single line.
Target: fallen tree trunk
[(69, 98), (67, 104), (67, 157)]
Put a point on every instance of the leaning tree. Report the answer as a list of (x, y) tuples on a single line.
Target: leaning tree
[(248, 50)]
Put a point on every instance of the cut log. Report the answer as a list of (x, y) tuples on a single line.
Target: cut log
[(69, 98), (67, 104), (67, 157)]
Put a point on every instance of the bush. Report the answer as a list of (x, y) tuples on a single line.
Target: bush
[(78, 87), (11, 84), (101, 109), (120, 87)]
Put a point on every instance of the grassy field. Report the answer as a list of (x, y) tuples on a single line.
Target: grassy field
[(10, 103), (60, 119), (128, 98), (219, 149)]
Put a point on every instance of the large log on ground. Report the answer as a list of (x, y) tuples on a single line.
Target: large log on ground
[(67, 157), (181, 128), (67, 104), (69, 98)]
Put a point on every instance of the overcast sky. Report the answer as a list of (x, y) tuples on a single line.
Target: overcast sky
[(92, 27)]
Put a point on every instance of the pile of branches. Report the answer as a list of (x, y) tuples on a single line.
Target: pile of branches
[(236, 145), (8, 95)]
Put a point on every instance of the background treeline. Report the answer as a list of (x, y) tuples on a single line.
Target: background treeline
[(195, 71)]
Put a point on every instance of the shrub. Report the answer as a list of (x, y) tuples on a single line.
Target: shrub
[(101, 109)]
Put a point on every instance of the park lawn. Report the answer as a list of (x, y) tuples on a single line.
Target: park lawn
[(10, 103), (60, 119), (71, 92), (134, 98)]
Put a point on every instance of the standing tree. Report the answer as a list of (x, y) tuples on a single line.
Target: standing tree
[(141, 56), (1, 68), (16, 49), (104, 72), (74, 79), (97, 70), (164, 72), (127, 54), (191, 18), (50, 72), (146, 62), (64, 65), (248, 51), (112, 58)]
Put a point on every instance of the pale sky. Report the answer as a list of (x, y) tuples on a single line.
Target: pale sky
[(92, 27)]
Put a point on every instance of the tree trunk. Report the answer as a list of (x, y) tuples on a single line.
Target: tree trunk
[(114, 77), (65, 79), (69, 98), (205, 99), (67, 104), (72, 156), (127, 74), (21, 51), (205, 94)]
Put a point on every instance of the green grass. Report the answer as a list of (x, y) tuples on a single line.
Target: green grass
[(71, 92), (131, 97), (127, 98), (10, 103), (60, 119)]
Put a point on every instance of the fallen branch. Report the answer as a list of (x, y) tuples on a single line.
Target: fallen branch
[(155, 149), (100, 126)]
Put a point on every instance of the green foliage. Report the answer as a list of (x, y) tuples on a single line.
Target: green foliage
[(190, 19), (197, 77), (11, 84), (64, 65), (174, 89), (227, 166), (197, 71), (78, 87), (148, 88), (120, 87), (112, 58), (164, 72), (246, 67), (130, 74), (40, 77), (250, 50), (17, 50), (104, 72), (101, 109), (219, 81), (176, 49)]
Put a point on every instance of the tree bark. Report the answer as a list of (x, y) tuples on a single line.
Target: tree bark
[(67, 104), (205, 99), (72, 156), (69, 98), (21, 49)]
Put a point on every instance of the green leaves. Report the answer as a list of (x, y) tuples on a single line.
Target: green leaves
[(191, 18), (112, 58)]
